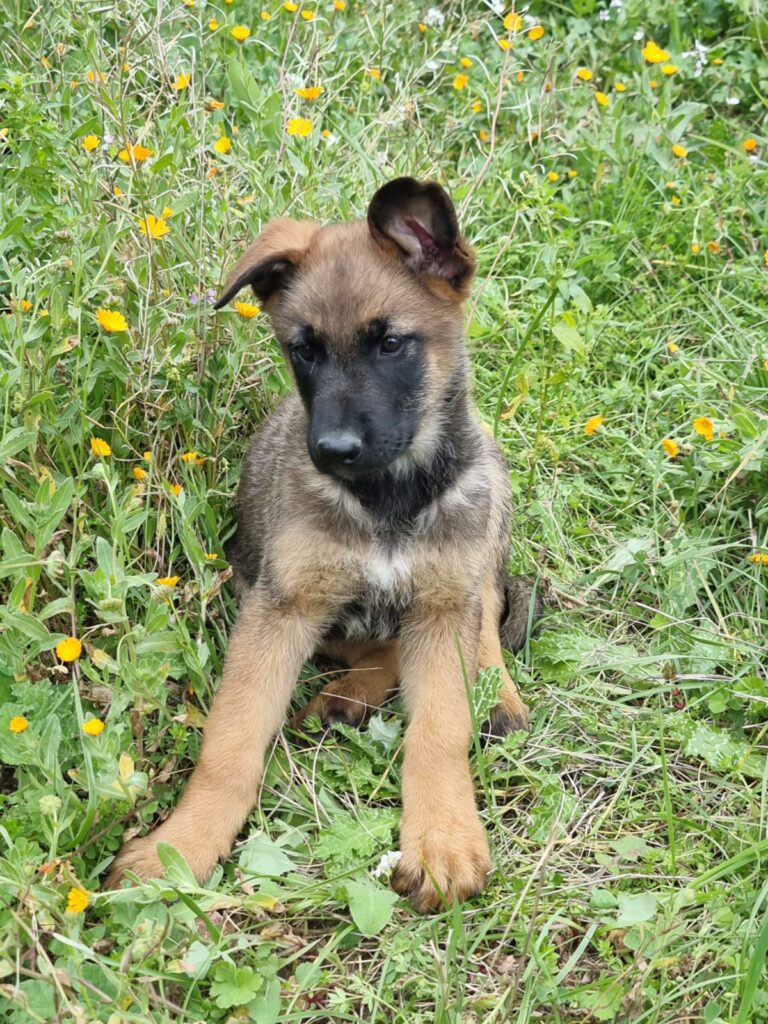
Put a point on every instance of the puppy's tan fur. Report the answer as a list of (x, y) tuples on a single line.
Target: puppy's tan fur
[(311, 557)]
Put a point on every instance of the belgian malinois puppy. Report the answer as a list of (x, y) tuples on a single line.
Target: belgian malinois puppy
[(372, 528)]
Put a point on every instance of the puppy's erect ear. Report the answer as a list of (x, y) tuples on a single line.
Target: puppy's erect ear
[(417, 221), (268, 264)]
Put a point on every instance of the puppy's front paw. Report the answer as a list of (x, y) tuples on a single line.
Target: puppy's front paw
[(140, 856), (445, 859)]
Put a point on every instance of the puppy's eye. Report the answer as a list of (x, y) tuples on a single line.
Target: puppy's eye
[(391, 344), (303, 352)]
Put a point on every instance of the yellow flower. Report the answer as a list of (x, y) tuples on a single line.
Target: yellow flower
[(672, 347), (536, 32), (520, 76), (188, 456), (240, 33), (138, 153), (758, 558), (695, 248), (675, 200), (308, 15), (421, 26), (584, 74), (301, 126), (553, 176), (18, 723), (513, 22), (602, 99), (465, 62), (100, 447), (714, 247), (311, 92), (460, 82), (213, 24), (704, 427), (765, 261), (373, 73), (25, 305), (653, 84), (93, 727), (503, 43), (69, 649), (175, 489), (482, 135), (94, 76), (619, 87), (214, 105), (247, 310), (211, 556), (153, 226), (139, 473), (167, 212), (669, 69), (339, 5), (77, 900), (671, 447), (680, 151), (147, 456), (572, 173), (118, 192), (265, 16), (592, 424), (90, 142), (477, 106), (167, 581), (111, 320), (223, 144), (181, 82), (290, 7), (750, 145), (653, 53)]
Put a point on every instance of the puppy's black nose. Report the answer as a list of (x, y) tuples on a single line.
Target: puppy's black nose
[(338, 448)]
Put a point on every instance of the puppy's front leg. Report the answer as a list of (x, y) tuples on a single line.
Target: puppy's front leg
[(442, 839), (266, 651)]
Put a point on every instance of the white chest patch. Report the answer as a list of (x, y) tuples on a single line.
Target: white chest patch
[(388, 570)]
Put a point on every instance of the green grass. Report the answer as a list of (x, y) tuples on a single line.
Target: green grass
[(629, 827)]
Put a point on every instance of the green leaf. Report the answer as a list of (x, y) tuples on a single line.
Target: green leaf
[(485, 692), (234, 986), (371, 908), (631, 848), (569, 338), (262, 856), (635, 909)]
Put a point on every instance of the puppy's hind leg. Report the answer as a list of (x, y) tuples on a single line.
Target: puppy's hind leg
[(505, 622)]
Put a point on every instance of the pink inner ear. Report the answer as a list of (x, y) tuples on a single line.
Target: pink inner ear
[(430, 251)]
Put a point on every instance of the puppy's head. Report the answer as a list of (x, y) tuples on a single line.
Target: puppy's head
[(369, 315)]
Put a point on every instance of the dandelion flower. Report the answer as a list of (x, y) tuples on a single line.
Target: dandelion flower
[(93, 727), (213, 24), (680, 151), (421, 26), (137, 153), (240, 33), (181, 82), (477, 106), (25, 305), (147, 456), (750, 145), (290, 7), (672, 347), (758, 558), (584, 74), (619, 87), (175, 489), (714, 247), (695, 248), (211, 556), (117, 192), (593, 424), (265, 16), (340, 5), (520, 76), (312, 92), (300, 126), (553, 176), (536, 32), (188, 456), (101, 448), (373, 73), (653, 53), (77, 900), (247, 310), (572, 173), (503, 43), (704, 427), (669, 69), (308, 15), (671, 447), (214, 105), (154, 227), (513, 22), (602, 99), (90, 142), (167, 581), (460, 82), (111, 320), (18, 724), (71, 648), (139, 473), (465, 62), (222, 145)]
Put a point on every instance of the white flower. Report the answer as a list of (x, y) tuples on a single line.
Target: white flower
[(434, 18), (604, 15), (431, 65), (638, 35), (618, 4), (329, 139), (387, 864), (733, 101)]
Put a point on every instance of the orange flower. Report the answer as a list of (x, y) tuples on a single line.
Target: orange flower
[(139, 473), (671, 447), (111, 320), (750, 145), (536, 32), (704, 427), (247, 310), (593, 424), (312, 92), (99, 447), (137, 153), (18, 724)]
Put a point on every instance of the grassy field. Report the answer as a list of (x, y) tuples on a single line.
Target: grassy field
[(611, 171)]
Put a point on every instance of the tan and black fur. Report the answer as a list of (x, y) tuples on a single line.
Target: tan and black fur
[(373, 517)]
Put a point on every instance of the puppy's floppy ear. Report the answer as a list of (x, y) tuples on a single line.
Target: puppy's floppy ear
[(416, 220), (269, 262)]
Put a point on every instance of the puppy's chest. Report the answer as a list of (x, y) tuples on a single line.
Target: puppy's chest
[(383, 596)]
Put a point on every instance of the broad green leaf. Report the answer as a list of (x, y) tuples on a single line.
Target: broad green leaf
[(371, 907)]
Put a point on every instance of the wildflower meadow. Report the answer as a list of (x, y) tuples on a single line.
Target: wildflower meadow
[(608, 160)]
